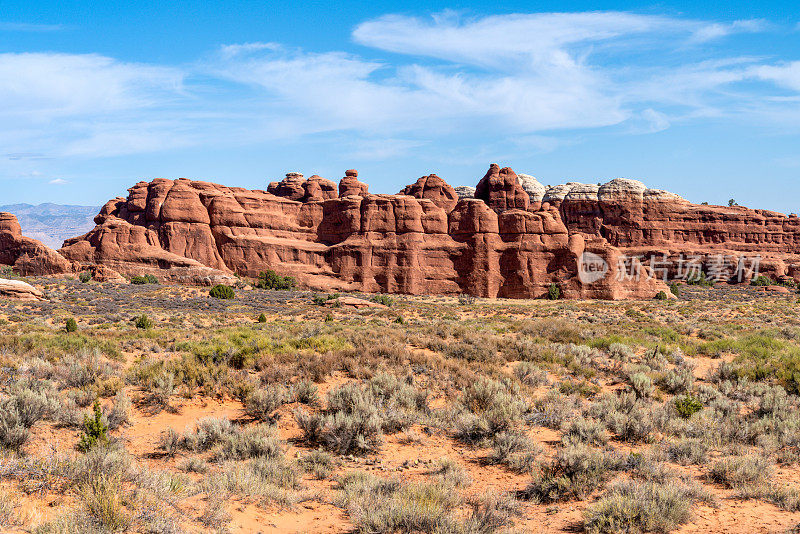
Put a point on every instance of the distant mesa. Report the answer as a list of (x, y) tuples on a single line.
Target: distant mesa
[(508, 237)]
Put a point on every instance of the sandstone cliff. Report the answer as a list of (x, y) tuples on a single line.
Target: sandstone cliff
[(426, 240), (25, 255)]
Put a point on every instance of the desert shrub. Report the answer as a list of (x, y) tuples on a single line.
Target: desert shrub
[(699, 279), (386, 300), (574, 473), (120, 411), (264, 479), (357, 414), (466, 300), (553, 292), (31, 402), (95, 431), (85, 277), (628, 417), (687, 405), (642, 385), (272, 280), (221, 291), (515, 450), (632, 506), (71, 325), (774, 402), (586, 431), (679, 380), (192, 465), (740, 471), (144, 279), (620, 351), (262, 318), (687, 451), (143, 322), (318, 463), (660, 296), (379, 505), (553, 409), (531, 374), (675, 288), (210, 431), (13, 434), (104, 502), (493, 407), (171, 442), (262, 402), (245, 443), (305, 392), (761, 280)]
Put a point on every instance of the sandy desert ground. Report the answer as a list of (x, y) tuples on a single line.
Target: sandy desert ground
[(170, 411)]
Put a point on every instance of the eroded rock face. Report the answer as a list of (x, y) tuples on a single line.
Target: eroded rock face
[(295, 187), (25, 255), (433, 188), (501, 190), (424, 241), (350, 186)]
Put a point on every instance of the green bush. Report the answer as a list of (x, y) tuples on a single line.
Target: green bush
[(553, 292), (262, 318), (675, 288), (143, 322), (272, 280), (71, 325), (687, 406), (383, 299), (145, 279), (661, 296), (95, 431), (762, 281), (221, 291), (84, 277), (699, 280)]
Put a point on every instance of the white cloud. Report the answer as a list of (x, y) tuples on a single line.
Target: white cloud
[(495, 79), (784, 74), (46, 86), (58, 181), (712, 31)]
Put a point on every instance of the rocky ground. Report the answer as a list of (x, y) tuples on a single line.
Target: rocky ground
[(280, 412)]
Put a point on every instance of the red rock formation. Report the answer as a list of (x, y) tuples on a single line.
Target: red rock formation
[(295, 187), (25, 255), (652, 222), (349, 185), (427, 242), (501, 190), (434, 188)]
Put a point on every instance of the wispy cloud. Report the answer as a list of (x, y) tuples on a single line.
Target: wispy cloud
[(504, 78), (58, 181)]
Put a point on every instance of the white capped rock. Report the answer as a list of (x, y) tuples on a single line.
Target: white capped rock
[(465, 191), (558, 192), (532, 186), (583, 192), (621, 189)]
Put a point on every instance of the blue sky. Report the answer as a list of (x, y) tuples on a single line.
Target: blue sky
[(699, 99)]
